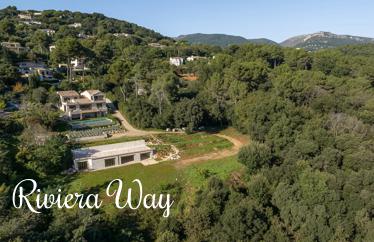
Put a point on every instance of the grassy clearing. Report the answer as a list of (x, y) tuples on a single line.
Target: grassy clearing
[(196, 175), (155, 176), (152, 177), (111, 141), (196, 144), (245, 139)]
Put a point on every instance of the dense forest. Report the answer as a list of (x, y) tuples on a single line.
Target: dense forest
[(309, 169)]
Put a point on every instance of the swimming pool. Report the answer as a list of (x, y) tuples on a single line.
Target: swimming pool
[(89, 123)]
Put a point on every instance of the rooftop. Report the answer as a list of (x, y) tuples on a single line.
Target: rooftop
[(68, 93), (111, 150), (83, 101), (93, 92)]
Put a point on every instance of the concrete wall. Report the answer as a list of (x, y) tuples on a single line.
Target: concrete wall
[(99, 164)]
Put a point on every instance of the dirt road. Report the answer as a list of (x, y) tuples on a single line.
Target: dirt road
[(237, 144), (131, 130)]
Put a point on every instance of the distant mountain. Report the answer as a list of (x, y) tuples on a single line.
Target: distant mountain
[(222, 40), (322, 40)]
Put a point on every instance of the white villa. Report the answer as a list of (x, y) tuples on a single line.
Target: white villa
[(157, 45), (88, 104), (121, 34), (107, 156), (75, 25), (31, 22), (176, 61), (25, 16), (194, 57)]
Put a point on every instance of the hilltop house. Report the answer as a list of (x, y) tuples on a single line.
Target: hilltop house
[(45, 74), (31, 22), (121, 34), (75, 25), (157, 45), (49, 32), (107, 156), (25, 16), (194, 57), (176, 61), (88, 104), (14, 46), (78, 64), (27, 67)]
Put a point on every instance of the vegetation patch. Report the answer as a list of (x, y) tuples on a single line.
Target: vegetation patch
[(195, 144)]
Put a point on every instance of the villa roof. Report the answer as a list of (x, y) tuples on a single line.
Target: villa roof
[(83, 101), (102, 151), (68, 93), (93, 92)]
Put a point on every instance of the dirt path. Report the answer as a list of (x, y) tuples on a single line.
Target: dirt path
[(237, 144), (131, 130)]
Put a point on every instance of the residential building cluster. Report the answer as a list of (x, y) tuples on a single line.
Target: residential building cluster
[(178, 61)]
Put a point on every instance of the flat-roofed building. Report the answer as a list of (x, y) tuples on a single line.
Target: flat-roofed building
[(27, 68), (113, 155)]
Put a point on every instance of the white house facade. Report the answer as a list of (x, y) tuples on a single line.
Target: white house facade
[(113, 155), (176, 61), (88, 104)]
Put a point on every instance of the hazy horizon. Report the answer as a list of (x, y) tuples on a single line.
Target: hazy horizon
[(273, 20)]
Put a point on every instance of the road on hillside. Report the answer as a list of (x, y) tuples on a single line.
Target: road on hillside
[(237, 144), (131, 130)]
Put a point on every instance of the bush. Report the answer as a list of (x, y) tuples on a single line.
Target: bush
[(255, 156)]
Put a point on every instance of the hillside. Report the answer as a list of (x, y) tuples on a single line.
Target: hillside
[(222, 40), (322, 40), (72, 23)]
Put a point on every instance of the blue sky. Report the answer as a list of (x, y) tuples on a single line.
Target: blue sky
[(276, 20)]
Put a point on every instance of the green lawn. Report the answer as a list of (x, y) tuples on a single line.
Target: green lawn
[(154, 176), (195, 175), (111, 141), (195, 144), (151, 177)]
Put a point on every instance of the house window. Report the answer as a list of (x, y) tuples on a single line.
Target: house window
[(110, 162), (145, 156), (99, 105), (85, 107), (82, 165), (128, 158)]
